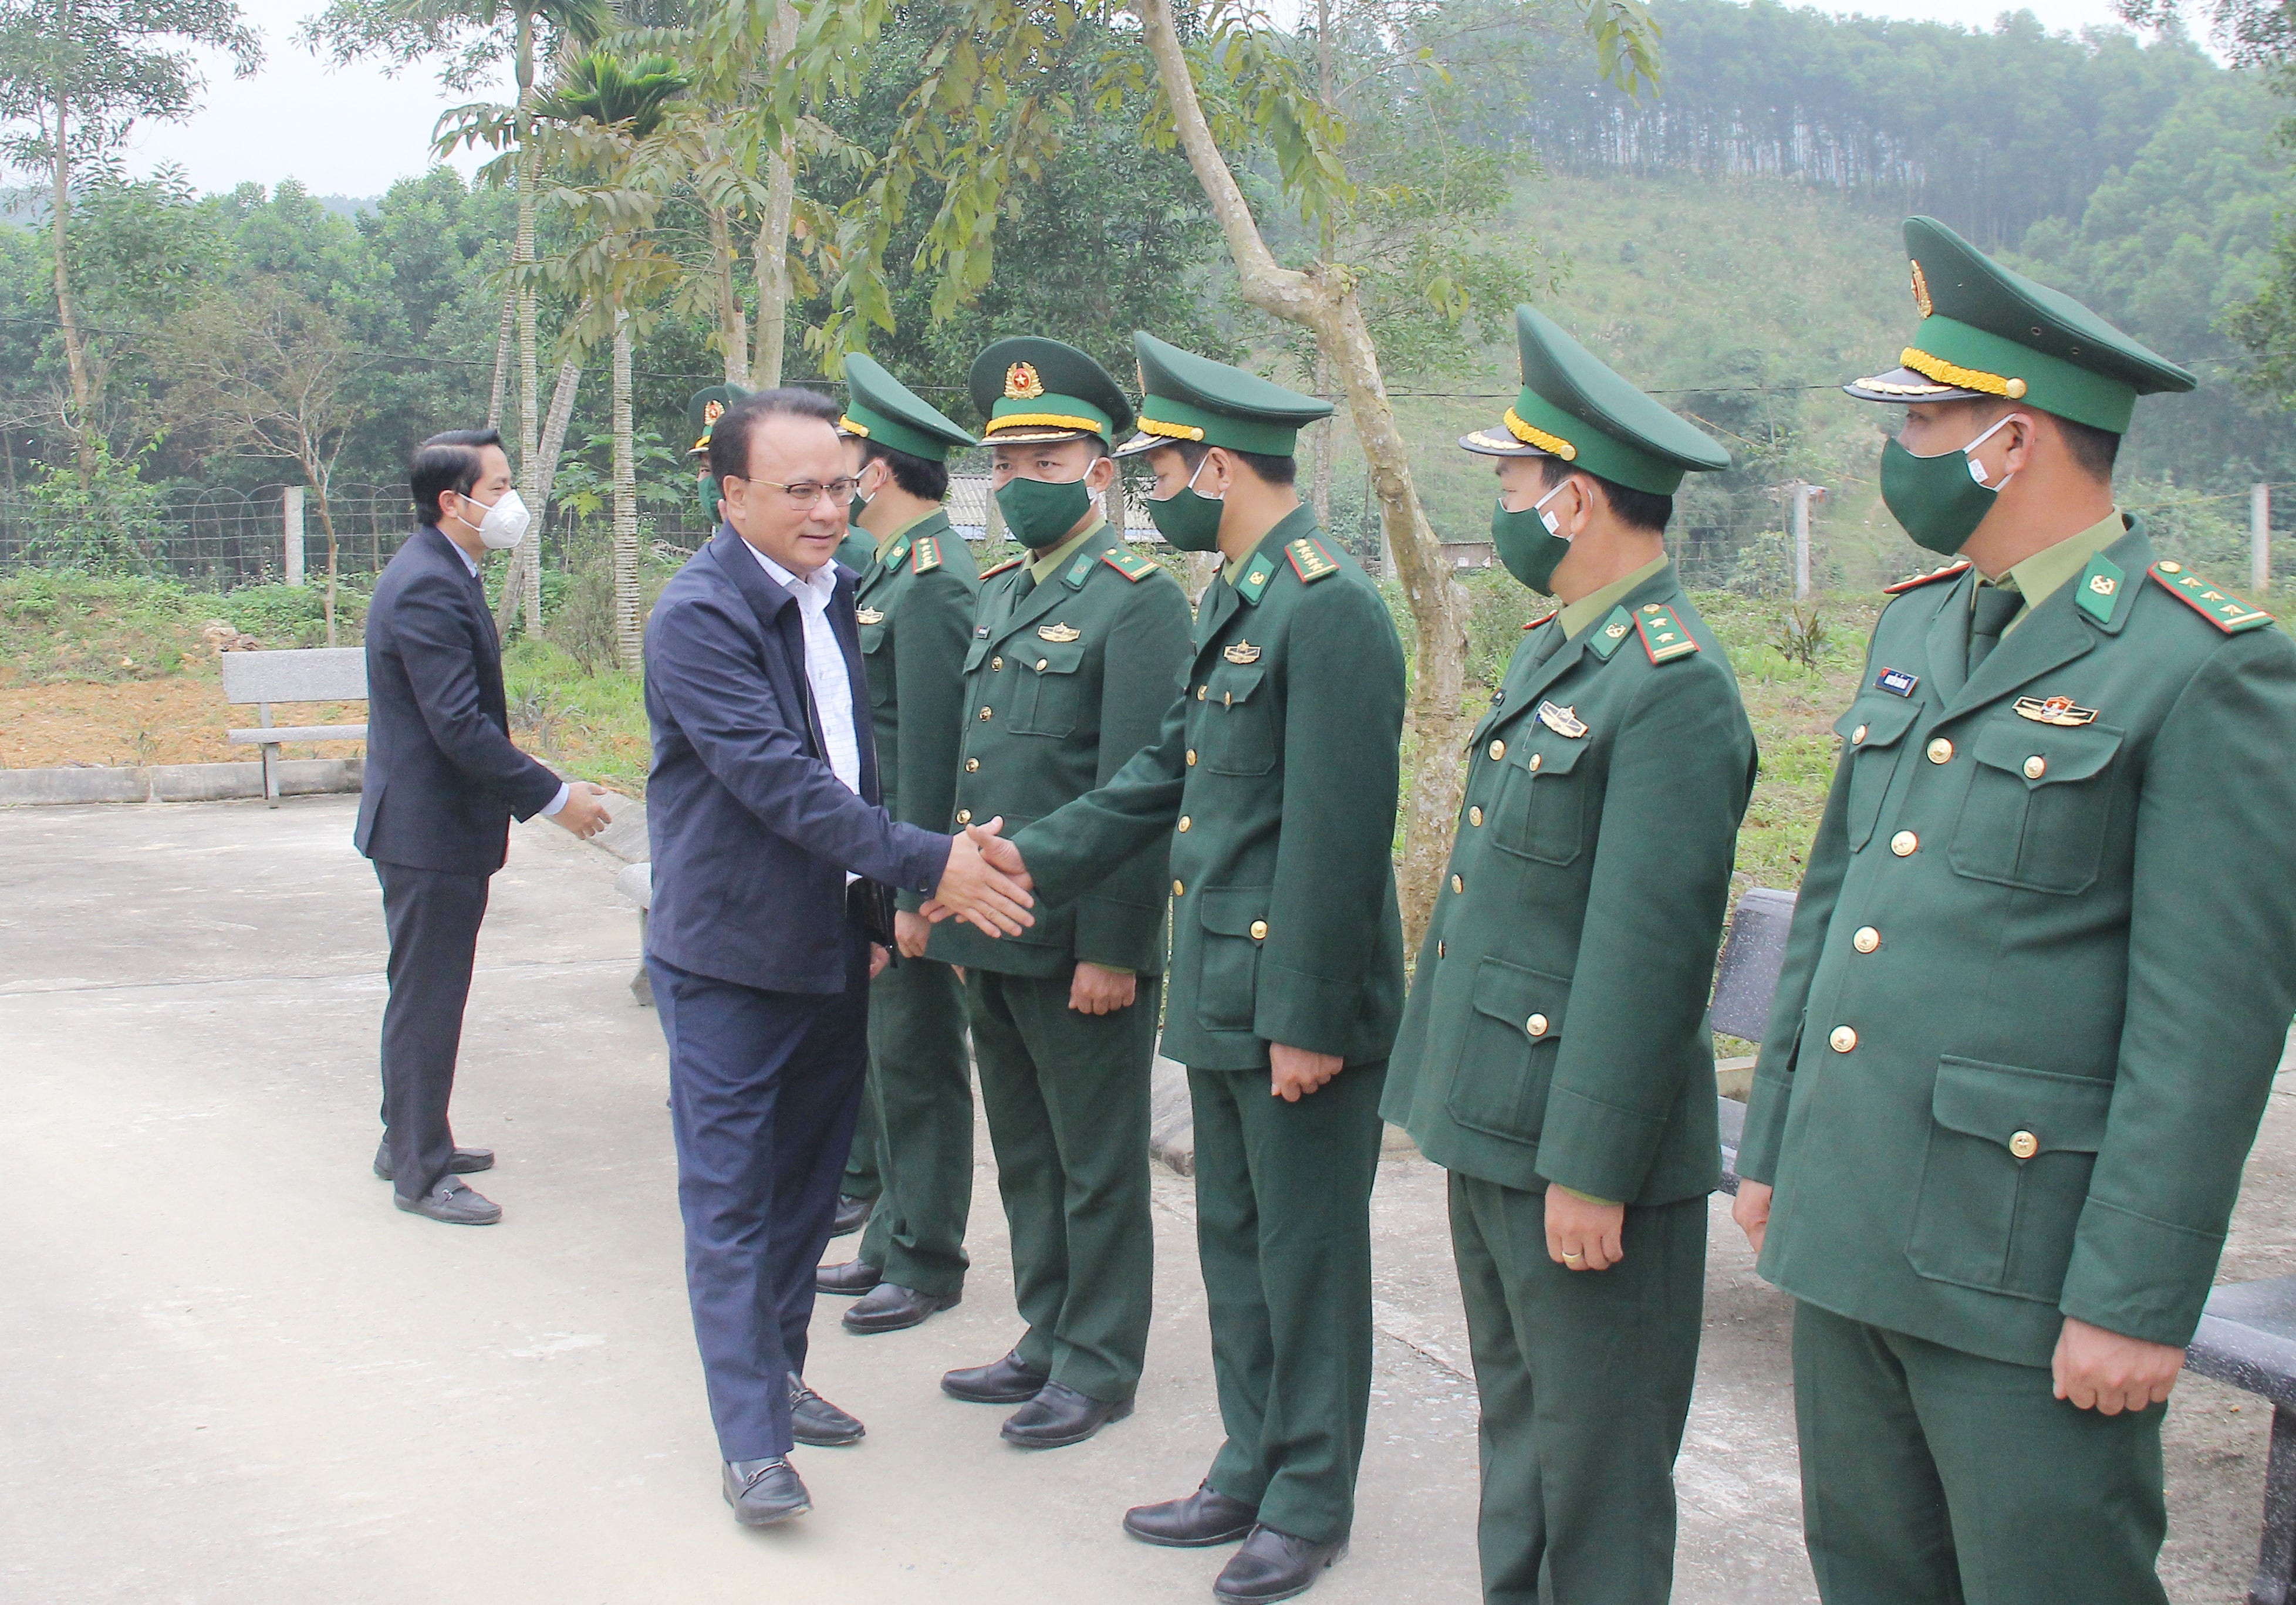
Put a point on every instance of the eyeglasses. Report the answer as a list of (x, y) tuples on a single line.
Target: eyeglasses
[(807, 493)]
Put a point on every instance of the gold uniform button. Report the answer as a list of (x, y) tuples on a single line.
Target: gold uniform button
[(1867, 939), (996, 663), (964, 816), (1457, 884), (2024, 1144), (1475, 816), (1536, 1025), (984, 713), (1203, 692), (2172, 567), (1184, 822), (1940, 751), (971, 766), (1259, 930), (1042, 663), (1192, 757), (1857, 735), (1498, 750), (1438, 949), (1535, 759), (2036, 766), (1177, 888), (1903, 843), (1842, 1040)]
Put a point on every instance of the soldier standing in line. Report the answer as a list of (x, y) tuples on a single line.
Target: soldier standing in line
[(702, 410), (2035, 988), (1554, 1056), (1074, 653), (914, 606), (1278, 766)]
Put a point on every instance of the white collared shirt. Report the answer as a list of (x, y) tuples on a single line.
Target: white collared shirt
[(824, 666)]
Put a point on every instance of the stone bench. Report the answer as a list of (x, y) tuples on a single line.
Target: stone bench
[(312, 674)]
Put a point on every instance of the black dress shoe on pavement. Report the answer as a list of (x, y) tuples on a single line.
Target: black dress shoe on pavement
[(1204, 1518), (764, 1493), (850, 1279), (1005, 1381), (1059, 1416), (889, 1307), (815, 1421), (1273, 1565), (455, 1204), (467, 1161), (852, 1215)]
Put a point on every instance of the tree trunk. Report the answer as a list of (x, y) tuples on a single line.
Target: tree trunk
[(529, 375), (553, 445), (772, 253), (733, 328), (1323, 298), (67, 311), (506, 337), (316, 477), (627, 640)]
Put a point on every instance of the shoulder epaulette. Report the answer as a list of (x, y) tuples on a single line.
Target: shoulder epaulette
[(926, 554), (991, 573), (1309, 561), (1129, 564), (1664, 636), (1950, 571), (2227, 613), (1550, 618)]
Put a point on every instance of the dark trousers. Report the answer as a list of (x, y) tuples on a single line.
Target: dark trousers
[(862, 1179), (1067, 1096), (433, 918), (1585, 1379), (763, 1091), (1933, 1477), (921, 1089), (1284, 1233)]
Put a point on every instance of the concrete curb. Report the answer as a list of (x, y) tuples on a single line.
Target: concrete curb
[(176, 782)]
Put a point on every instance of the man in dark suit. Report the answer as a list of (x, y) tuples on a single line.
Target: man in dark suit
[(443, 782), (765, 822)]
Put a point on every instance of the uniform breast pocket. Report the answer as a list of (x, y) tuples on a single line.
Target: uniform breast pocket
[(1873, 733), (1051, 694), (2039, 804), (1541, 812), (1238, 729), (1235, 920), (1507, 1052), (2007, 1171), (877, 657)]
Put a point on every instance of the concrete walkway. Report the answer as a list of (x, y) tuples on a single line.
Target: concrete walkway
[(230, 1372)]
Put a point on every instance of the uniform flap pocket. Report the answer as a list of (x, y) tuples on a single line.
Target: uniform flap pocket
[(873, 635), (1235, 910), (1051, 657), (1524, 1000), (2045, 753), (1231, 684), (1542, 753), (975, 656), (1876, 722), (2025, 1111)]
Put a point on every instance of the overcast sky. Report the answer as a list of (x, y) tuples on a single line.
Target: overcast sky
[(351, 131)]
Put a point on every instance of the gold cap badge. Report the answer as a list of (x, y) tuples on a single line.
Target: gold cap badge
[(1921, 302), (712, 411), (1021, 383)]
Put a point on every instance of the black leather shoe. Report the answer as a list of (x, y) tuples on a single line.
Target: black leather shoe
[(815, 1421), (764, 1493), (1059, 1416), (467, 1161), (889, 1307), (1204, 1518), (1005, 1381), (850, 1279), (852, 1215), (455, 1204), (1273, 1565)]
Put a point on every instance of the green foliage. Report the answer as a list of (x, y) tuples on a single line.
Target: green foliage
[(111, 525), (1802, 636), (60, 625)]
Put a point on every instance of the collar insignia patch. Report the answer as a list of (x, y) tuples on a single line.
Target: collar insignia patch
[(2054, 710), (1561, 721), (1897, 682)]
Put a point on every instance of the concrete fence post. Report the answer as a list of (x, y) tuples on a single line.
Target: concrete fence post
[(1803, 495), (2259, 538), (291, 507)]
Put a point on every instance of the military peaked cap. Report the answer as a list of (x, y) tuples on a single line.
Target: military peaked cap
[(1031, 389), (1987, 332), (1187, 397), (1574, 407), (879, 408), (704, 408)]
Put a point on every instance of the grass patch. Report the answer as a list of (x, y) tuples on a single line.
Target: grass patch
[(60, 625)]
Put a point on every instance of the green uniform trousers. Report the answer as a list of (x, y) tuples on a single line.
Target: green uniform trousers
[(1067, 1098), (1284, 1235), (921, 1084), (861, 1178), (1934, 1476), (1584, 1377)]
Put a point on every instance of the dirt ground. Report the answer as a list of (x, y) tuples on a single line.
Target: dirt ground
[(181, 719)]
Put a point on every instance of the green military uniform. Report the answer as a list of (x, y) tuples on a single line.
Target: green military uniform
[(2036, 984), (1278, 768), (1556, 1032), (914, 606), (1073, 656)]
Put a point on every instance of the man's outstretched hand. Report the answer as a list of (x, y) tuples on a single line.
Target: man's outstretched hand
[(985, 883), (585, 813)]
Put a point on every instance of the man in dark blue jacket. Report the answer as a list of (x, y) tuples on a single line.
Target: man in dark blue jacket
[(442, 783), (771, 864)]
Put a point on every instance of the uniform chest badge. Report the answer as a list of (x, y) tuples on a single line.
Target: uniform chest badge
[(1561, 721), (980, 632), (1897, 681), (1241, 652), (2054, 710), (869, 615), (1062, 633)]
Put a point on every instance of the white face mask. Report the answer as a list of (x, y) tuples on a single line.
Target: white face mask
[(504, 525), (1553, 525), (1977, 469)]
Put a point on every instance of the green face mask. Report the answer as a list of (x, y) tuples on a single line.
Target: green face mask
[(1190, 519), (855, 508), (1941, 500), (713, 498), (1526, 544), (1040, 513)]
